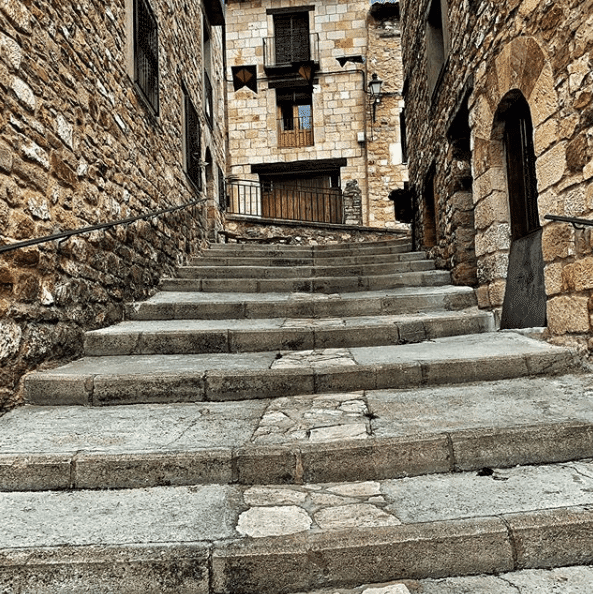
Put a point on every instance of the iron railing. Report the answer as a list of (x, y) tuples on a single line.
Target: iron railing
[(575, 222), (292, 50), (273, 200), (294, 132), (98, 227)]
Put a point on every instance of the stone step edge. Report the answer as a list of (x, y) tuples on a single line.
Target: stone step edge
[(230, 340), (298, 272), (342, 558), (348, 460), (54, 388), (309, 285), (346, 305), (222, 259)]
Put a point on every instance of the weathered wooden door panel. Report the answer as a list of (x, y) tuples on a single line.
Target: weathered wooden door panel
[(525, 296)]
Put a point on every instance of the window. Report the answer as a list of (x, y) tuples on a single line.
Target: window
[(437, 41), (403, 135), (192, 142), (291, 33), (208, 92), (295, 118), (146, 53)]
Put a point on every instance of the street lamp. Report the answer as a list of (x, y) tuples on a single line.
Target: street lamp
[(375, 93)]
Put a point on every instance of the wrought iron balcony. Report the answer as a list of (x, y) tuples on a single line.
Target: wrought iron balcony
[(282, 53), (272, 200)]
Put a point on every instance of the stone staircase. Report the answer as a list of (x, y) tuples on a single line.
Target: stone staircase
[(299, 418)]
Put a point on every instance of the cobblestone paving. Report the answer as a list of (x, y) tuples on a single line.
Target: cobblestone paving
[(317, 359), (328, 417), (288, 510)]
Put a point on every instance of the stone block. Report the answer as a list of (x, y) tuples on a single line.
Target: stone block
[(568, 314), (557, 241), (550, 166), (579, 275), (35, 472), (386, 458), (524, 445), (552, 538), (272, 465), (152, 569), (160, 387), (99, 470), (55, 389)]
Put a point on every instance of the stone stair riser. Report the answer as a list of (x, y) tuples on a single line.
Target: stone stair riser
[(264, 272), (213, 260), (431, 278), (388, 305)]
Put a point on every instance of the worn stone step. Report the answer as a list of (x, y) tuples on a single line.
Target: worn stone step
[(299, 272), (167, 305), (348, 436), (326, 285), (231, 539), (330, 250), (344, 260), (222, 376), (560, 580), (241, 335)]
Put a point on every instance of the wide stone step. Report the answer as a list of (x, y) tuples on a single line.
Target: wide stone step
[(241, 335), (222, 376), (348, 436), (396, 246), (298, 272), (233, 539), (350, 283), (167, 305), (345, 260), (560, 580)]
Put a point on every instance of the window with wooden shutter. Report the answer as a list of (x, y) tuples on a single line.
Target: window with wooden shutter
[(291, 33)]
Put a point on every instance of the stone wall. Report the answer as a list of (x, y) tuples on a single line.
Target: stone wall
[(341, 108), (79, 146), (387, 170), (542, 52)]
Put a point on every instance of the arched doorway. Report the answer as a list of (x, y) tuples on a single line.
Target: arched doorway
[(524, 303)]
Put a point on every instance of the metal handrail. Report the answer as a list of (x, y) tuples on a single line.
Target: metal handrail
[(575, 222), (65, 234)]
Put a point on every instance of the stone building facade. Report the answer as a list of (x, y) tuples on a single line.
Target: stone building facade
[(299, 110), (500, 127), (108, 110)]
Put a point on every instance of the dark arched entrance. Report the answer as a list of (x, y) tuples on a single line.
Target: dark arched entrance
[(525, 296)]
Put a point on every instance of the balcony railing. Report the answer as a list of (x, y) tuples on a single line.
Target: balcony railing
[(273, 200), (295, 132), (285, 52)]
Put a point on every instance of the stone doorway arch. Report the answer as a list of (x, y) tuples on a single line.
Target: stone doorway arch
[(520, 70)]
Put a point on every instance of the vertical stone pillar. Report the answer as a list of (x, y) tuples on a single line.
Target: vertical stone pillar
[(352, 197)]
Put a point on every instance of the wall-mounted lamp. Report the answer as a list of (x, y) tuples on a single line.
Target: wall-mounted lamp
[(375, 93)]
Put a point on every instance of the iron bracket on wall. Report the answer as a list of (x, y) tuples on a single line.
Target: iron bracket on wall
[(575, 222)]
